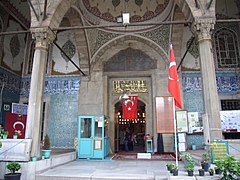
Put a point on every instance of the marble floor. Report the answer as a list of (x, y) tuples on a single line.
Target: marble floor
[(117, 170)]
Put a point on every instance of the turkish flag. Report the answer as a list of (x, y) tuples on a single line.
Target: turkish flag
[(129, 108), (173, 81), (16, 122)]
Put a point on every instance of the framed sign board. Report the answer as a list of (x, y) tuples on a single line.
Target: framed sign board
[(164, 115), (182, 121)]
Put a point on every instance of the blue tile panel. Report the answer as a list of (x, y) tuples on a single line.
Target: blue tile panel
[(62, 125), (197, 139), (227, 83), (12, 83), (54, 85)]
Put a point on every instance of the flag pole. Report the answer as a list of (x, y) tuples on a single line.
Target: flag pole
[(175, 132)]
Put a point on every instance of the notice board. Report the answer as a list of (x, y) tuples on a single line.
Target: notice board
[(219, 150), (165, 114)]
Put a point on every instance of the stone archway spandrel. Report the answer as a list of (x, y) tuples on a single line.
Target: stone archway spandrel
[(55, 12)]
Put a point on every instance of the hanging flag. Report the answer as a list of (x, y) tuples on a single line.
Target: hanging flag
[(129, 108), (173, 81)]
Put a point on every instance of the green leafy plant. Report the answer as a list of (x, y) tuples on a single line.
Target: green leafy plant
[(189, 166), (13, 167), (46, 143), (230, 168), (206, 157), (187, 156), (219, 165), (169, 166), (174, 167)]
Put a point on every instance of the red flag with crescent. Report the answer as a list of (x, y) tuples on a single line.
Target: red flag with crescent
[(16, 122), (129, 108), (173, 81)]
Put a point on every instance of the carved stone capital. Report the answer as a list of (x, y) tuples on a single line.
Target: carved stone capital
[(204, 27), (44, 36)]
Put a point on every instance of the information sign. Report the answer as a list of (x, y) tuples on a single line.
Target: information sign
[(219, 151)]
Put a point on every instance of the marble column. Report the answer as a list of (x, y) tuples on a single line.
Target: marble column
[(43, 36), (204, 27)]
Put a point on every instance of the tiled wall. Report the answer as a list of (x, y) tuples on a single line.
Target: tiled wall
[(227, 83), (63, 113), (62, 125), (11, 90)]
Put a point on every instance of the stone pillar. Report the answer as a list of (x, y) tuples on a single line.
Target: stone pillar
[(208, 75), (44, 36)]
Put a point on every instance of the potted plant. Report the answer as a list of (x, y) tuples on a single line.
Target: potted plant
[(189, 167), (169, 166), (201, 172), (175, 170), (230, 168), (5, 134), (219, 166), (17, 133), (46, 151), (205, 161), (13, 167), (211, 172)]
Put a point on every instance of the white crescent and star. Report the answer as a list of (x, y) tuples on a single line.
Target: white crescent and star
[(14, 125), (129, 101), (171, 65)]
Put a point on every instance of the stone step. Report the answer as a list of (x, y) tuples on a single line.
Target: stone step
[(104, 177)]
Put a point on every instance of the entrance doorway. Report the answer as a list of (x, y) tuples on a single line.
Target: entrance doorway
[(136, 128)]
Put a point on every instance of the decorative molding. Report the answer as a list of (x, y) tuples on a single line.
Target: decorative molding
[(193, 50), (44, 37), (54, 85), (204, 27), (160, 36), (102, 38)]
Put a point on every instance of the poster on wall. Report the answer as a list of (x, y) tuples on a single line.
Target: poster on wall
[(182, 121), (230, 120), (194, 122)]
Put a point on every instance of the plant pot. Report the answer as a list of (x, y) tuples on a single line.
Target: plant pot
[(211, 173), (205, 166), (46, 153), (190, 173), (175, 172), (201, 172), (217, 171), (34, 158), (5, 136), (194, 147), (15, 136), (15, 176)]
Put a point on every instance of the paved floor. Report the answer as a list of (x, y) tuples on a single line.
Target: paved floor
[(117, 170)]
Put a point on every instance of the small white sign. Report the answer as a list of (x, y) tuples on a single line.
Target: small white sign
[(144, 155)]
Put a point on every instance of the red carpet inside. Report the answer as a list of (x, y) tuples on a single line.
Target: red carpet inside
[(133, 156)]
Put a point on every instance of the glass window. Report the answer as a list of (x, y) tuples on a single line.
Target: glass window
[(227, 49), (86, 124), (98, 127)]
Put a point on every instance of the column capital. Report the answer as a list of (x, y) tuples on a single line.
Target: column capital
[(44, 36), (204, 27)]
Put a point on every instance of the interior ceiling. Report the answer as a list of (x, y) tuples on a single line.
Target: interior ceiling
[(140, 10)]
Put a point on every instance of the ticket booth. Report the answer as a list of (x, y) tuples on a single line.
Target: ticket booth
[(93, 140)]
